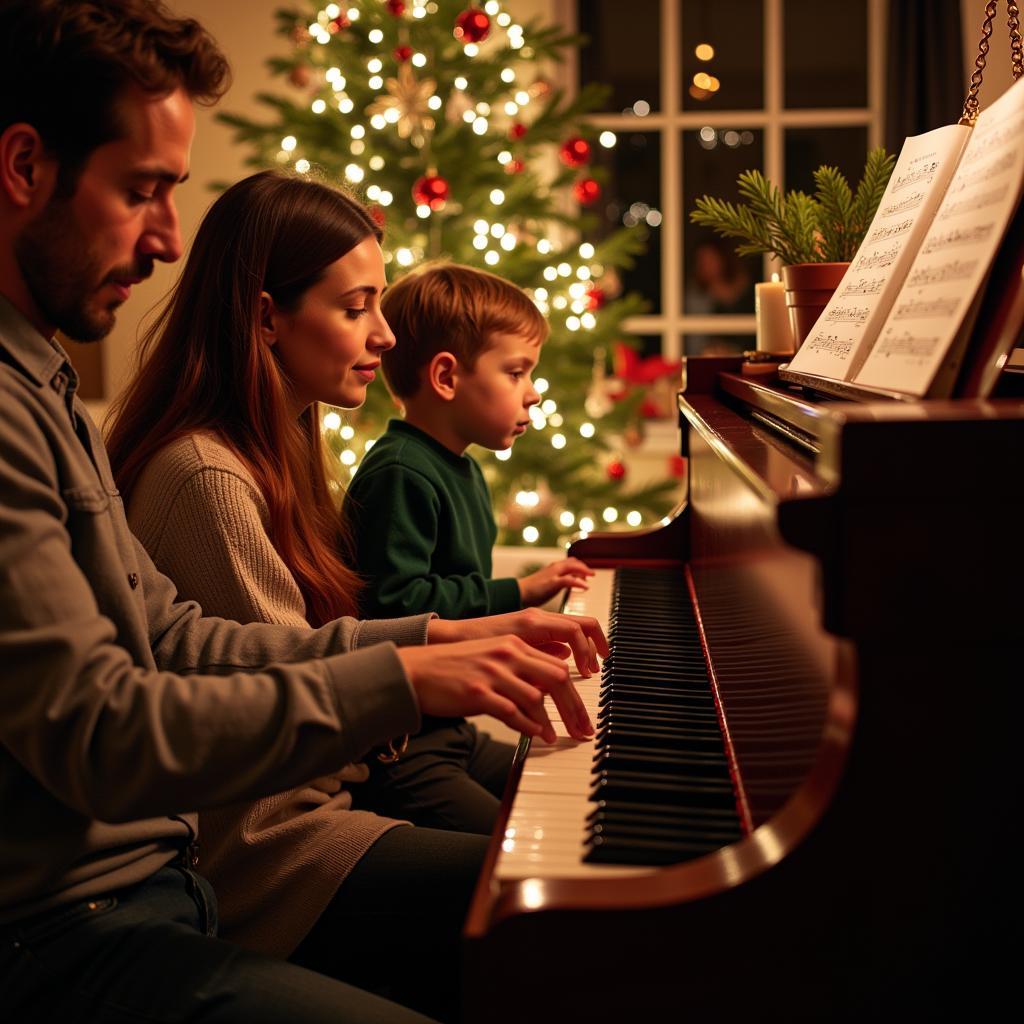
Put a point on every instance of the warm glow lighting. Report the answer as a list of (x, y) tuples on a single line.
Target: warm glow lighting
[(288, 143), (354, 173), (566, 519), (587, 252), (376, 163), (480, 242), (460, 82), (504, 455), (419, 60), (348, 457), (540, 385), (491, 257), (471, 49), (332, 421), (508, 75), (497, 196), (374, 65), (609, 515), (544, 247), (531, 534), (634, 518), (558, 440), (302, 166), (607, 139), (587, 429), (704, 51), (375, 82), (358, 131), (347, 433), (586, 524), (508, 242), (404, 257), (548, 407), (375, 35), (318, 106), (434, 103), (702, 80), (423, 211)]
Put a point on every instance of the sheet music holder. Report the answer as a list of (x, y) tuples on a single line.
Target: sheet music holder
[(932, 303)]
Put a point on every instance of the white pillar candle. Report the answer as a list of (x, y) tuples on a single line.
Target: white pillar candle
[(774, 331)]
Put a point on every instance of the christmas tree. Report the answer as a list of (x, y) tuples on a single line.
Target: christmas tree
[(439, 117)]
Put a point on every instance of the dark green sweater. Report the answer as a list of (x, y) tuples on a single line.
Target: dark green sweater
[(424, 530)]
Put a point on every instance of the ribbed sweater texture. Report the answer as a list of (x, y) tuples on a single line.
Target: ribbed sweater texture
[(276, 863)]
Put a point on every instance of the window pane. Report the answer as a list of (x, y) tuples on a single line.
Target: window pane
[(826, 53), (718, 344), (722, 54), (715, 279), (808, 148), (622, 51), (632, 196)]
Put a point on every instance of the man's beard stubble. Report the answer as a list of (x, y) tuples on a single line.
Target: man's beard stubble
[(62, 275)]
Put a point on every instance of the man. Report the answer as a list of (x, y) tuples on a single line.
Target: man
[(121, 709)]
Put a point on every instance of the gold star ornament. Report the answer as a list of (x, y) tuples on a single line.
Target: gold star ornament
[(409, 97)]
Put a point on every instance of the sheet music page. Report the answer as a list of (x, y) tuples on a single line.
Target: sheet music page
[(850, 322), (956, 255)]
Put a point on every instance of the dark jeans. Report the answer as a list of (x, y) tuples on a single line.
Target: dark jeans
[(451, 776), (148, 953)]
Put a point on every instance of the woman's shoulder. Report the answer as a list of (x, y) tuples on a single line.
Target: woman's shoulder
[(196, 467)]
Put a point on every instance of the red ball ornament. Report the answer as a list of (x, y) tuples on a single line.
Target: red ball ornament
[(300, 76), (516, 130), (616, 469), (402, 53), (586, 191), (395, 7), (472, 26), (575, 152), (514, 166), (379, 218), (338, 23), (677, 466), (596, 298), (430, 190)]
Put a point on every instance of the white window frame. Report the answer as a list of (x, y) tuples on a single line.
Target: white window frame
[(670, 121)]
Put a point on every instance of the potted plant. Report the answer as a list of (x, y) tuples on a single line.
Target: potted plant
[(815, 237)]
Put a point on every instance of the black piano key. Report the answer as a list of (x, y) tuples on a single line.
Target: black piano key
[(646, 851)]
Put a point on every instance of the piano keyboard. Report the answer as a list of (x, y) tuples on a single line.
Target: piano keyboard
[(653, 786)]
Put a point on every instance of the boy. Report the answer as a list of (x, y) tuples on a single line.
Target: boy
[(467, 342)]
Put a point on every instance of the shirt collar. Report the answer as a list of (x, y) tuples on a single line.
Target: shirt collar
[(41, 359)]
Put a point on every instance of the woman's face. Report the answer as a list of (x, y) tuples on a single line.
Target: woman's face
[(330, 346)]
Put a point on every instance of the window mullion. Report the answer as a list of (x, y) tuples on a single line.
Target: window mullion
[(671, 179)]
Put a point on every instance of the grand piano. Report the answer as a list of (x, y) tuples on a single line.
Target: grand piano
[(802, 799)]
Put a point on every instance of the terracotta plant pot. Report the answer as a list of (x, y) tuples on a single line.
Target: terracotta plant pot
[(809, 286)]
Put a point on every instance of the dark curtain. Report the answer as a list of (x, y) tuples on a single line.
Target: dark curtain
[(925, 81)]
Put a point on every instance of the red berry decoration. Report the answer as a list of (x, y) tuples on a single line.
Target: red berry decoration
[(472, 26), (596, 298), (430, 190), (586, 191), (338, 23), (575, 152), (403, 53), (514, 166), (616, 469), (516, 130), (377, 213), (395, 7), (677, 466)]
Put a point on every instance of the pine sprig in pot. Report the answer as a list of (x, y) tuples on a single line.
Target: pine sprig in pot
[(827, 227)]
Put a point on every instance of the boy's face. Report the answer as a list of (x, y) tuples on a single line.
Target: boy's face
[(492, 401)]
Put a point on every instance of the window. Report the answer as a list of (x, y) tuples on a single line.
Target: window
[(700, 92)]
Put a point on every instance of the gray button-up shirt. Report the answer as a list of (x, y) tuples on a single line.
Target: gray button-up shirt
[(121, 708)]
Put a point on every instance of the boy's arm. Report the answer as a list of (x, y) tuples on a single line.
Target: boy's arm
[(395, 514)]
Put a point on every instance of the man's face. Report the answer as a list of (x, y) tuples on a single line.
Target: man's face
[(81, 254)]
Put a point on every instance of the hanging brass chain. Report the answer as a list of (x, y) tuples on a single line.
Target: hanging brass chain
[(970, 114), (1016, 48)]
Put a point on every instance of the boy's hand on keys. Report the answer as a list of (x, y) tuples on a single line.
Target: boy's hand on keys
[(543, 584), (501, 676)]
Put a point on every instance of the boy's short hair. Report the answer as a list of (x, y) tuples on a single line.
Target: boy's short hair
[(446, 307)]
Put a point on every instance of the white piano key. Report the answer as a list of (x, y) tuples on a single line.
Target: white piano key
[(546, 825)]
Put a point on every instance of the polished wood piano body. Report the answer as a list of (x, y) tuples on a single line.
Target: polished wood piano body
[(857, 571)]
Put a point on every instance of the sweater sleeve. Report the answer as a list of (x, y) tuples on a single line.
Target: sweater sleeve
[(396, 512)]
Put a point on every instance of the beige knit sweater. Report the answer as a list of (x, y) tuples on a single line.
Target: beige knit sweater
[(275, 863)]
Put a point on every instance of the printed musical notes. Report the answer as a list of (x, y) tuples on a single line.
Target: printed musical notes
[(851, 321), (861, 286), (921, 344)]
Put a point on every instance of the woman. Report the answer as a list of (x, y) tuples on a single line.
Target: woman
[(216, 446)]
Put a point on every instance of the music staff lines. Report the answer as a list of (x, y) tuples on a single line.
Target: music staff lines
[(925, 308), (958, 236), (907, 346), (892, 231), (848, 314), (988, 171), (973, 204), (830, 344), (864, 286), (924, 173), (953, 270), (884, 258), (912, 202)]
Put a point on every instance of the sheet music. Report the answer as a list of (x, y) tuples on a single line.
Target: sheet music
[(850, 322), (925, 330)]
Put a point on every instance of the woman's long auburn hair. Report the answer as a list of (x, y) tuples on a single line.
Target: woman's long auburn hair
[(203, 365)]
